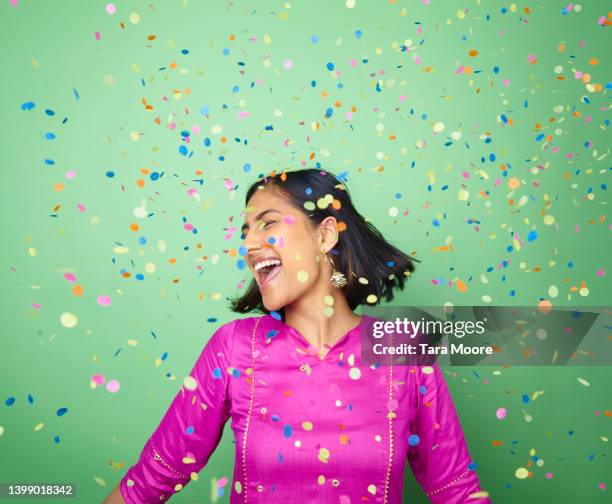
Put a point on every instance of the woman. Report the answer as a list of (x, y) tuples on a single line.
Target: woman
[(311, 423)]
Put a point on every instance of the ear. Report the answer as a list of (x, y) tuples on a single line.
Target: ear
[(328, 234)]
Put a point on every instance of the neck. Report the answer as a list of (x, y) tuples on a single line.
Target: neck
[(309, 316)]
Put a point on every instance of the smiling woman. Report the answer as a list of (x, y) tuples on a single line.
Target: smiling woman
[(306, 219), (312, 422)]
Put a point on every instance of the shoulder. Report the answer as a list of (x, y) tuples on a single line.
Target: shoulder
[(245, 327), (239, 331)]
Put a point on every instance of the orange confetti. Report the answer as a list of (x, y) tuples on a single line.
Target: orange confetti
[(461, 285)]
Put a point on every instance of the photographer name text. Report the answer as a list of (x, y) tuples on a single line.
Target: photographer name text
[(425, 349)]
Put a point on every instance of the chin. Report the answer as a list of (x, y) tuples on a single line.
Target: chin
[(272, 305), (275, 301)]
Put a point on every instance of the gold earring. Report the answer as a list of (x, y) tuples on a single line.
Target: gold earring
[(337, 278)]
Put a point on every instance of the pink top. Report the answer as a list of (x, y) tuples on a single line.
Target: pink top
[(331, 430)]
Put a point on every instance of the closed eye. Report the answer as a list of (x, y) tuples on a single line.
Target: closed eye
[(263, 225)]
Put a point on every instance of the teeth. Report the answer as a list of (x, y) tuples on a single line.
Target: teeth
[(269, 262)]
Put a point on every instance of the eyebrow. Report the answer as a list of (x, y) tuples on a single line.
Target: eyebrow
[(259, 216)]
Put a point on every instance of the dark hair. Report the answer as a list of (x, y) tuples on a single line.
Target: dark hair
[(361, 250)]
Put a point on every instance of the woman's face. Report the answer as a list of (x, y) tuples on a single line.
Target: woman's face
[(277, 231)]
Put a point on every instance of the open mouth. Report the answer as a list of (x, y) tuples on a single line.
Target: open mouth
[(267, 270)]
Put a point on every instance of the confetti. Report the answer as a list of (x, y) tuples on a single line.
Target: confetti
[(482, 148)]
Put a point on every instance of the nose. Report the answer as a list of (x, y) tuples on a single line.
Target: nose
[(253, 245), (252, 242)]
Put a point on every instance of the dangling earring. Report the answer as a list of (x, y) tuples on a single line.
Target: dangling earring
[(337, 277)]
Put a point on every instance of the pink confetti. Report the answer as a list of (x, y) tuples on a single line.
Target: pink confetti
[(500, 413), (70, 277), (104, 300), (392, 404), (98, 379), (113, 386), (111, 8)]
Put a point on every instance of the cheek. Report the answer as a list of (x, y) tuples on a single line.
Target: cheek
[(302, 269), (298, 254)]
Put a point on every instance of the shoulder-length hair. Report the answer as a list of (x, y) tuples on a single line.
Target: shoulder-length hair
[(370, 263)]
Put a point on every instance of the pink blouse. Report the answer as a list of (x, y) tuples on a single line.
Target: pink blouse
[(331, 430)]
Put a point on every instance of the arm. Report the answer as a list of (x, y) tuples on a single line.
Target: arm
[(114, 497), (439, 457), (189, 431)]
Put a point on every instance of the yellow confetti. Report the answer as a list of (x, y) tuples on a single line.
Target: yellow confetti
[(324, 455), (190, 383), (521, 473), (68, 320)]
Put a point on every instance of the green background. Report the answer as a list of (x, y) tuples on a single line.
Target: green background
[(261, 58)]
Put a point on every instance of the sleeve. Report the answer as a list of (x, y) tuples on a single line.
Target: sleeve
[(437, 451), (190, 430)]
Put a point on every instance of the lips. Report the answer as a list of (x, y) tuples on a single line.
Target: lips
[(266, 269), (266, 278)]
